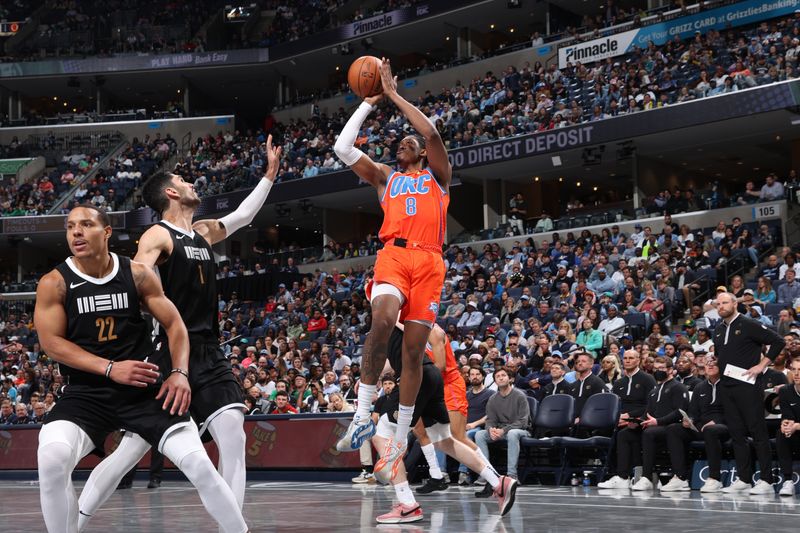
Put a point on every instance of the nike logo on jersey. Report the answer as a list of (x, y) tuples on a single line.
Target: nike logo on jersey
[(180, 236), (76, 285), (702, 395)]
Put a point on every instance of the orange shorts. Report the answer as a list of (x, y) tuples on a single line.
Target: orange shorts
[(418, 275), (455, 395)]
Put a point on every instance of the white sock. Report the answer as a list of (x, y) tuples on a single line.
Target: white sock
[(227, 429), (365, 395), (404, 493), (433, 464), (404, 416), (490, 476)]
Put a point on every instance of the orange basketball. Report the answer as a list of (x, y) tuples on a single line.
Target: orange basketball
[(364, 76)]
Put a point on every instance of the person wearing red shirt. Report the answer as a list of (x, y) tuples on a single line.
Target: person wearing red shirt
[(282, 405), (318, 322)]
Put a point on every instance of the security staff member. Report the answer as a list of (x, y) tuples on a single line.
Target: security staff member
[(788, 437), (705, 412), (633, 388), (663, 403), (739, 340)]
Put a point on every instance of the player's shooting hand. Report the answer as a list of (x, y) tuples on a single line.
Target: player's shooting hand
[(176, 392), (387, 80), (273, 159), (134, 373), (373, 100)]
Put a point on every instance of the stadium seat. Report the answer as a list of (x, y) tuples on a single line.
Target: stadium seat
[(600, 414), (555, 413)]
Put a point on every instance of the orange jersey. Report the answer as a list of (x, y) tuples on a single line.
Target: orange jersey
[(414, 208), (451, 370)]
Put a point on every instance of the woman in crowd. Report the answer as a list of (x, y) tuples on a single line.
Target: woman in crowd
[(609, 370), (764, 292)]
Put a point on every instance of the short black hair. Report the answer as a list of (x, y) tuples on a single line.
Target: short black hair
[(282, 393), (101, 214), (153, 191)]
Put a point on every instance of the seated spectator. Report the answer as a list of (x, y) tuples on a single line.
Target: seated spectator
[(7, 415), (471, 318), (764, 294), (789, 291), (282, 405), (590, 339), (772, 189), (789, 263), (507, 419)]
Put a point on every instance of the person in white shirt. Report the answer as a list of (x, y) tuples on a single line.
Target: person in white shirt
[(471, 318), (788, 262), (612, 325)]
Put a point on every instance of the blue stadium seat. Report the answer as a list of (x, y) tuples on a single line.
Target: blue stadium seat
[(600, 413)]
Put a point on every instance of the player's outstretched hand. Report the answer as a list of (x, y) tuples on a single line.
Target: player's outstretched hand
[(176, 391), (273, 159), (388, 81), (134, 373)]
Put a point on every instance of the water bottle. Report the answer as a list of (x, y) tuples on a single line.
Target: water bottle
[(575, 481), (586, 481)]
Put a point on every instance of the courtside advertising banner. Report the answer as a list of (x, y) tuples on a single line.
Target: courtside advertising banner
[(714, 19)]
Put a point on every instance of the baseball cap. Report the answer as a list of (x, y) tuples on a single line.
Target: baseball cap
[(688, 324), (563, 264), (524, 297), (264, 351), (282, 286), (749, 291), (471, 304), (637, 226), (476, 356)]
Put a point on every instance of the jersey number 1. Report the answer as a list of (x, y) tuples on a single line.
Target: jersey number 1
[(411, 206), (106, 326)]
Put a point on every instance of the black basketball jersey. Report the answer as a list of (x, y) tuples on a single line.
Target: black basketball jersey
[(394, 352), (189, 277), (103, 317)]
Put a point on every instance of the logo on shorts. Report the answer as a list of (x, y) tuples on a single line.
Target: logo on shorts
[(434, 307)]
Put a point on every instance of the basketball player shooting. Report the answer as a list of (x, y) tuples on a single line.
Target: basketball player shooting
[(409, 270), (181, 251)]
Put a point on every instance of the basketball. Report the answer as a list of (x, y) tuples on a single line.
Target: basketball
[(364, 76)]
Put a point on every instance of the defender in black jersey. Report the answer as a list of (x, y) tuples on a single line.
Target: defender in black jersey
[(431, 408), (88, 315), (180, 250)]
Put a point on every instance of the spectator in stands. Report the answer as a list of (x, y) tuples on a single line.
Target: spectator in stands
[(456, 308), (789, 263), (21, 412), (590, 339), (7, 415), (609, 370), (772, 189), (789, 291), (613, 325), (471, 318), (282, 405), (507, 419), (517, 212), (771, 270), (764, 294), (545, 223)]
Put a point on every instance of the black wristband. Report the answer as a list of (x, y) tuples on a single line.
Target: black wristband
[(179, 371)]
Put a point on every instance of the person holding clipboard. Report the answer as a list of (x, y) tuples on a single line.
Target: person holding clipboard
[(738, 344)]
